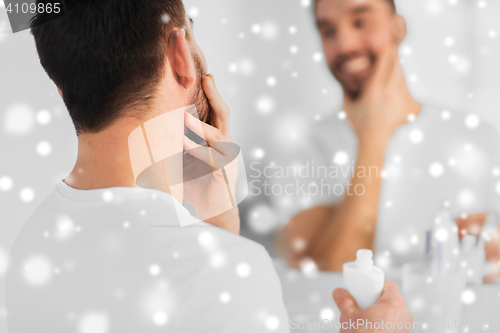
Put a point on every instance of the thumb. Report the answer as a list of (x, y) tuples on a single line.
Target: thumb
[(347, 305)]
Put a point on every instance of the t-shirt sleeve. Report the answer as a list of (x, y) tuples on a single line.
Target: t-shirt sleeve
[(239, 291)]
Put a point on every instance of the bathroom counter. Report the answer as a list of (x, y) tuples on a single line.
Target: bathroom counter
[(308, 298)]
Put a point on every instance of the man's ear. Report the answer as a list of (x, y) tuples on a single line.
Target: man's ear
[(400, 29), (60, 93), (179, 53)]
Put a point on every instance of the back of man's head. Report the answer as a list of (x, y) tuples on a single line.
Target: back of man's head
[(107, 56)]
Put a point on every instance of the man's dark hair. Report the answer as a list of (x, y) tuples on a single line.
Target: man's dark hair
[(107, 56), (391, 3)]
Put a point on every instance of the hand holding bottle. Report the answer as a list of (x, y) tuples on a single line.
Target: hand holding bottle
[(389, 313)]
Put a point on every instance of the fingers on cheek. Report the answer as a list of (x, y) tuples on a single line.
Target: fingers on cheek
[(207, 85)]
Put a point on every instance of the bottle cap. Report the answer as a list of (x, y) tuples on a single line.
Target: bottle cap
[(364, 259)]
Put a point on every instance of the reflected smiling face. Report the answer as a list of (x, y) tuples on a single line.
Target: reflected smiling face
[(353, 33)]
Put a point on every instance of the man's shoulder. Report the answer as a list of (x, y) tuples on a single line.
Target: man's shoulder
[(215, 237), (464, 122), (148, 218)]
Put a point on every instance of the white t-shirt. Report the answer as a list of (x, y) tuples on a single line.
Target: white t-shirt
[(441, 160), (117, 260)]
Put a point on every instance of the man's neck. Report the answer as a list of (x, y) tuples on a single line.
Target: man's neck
[(104, 160)]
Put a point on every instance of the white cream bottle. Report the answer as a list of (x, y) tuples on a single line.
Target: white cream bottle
[(363, 280)]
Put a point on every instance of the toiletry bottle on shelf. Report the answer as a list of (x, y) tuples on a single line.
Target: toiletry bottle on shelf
[(445, 234), (472, 259), (362, 279)]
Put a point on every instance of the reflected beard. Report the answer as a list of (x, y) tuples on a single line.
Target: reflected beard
[(353, 88), (199, 99)]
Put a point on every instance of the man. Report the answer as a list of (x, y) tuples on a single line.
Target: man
[(403, 161), (101, 254)]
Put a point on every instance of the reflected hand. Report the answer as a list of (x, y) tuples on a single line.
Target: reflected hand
[(380, 109)]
